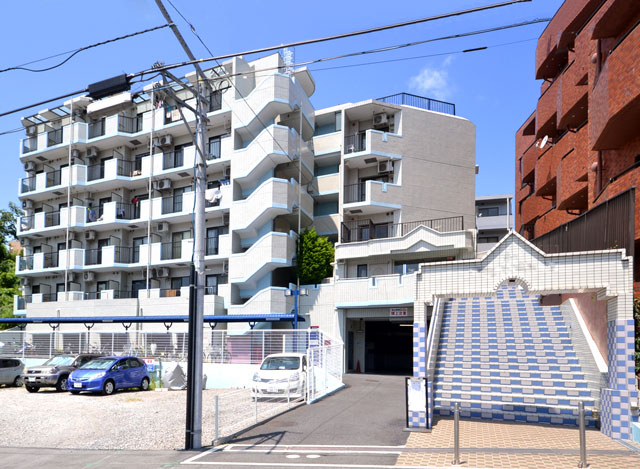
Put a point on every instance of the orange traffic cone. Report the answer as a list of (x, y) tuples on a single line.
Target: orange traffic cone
[(358, 367)]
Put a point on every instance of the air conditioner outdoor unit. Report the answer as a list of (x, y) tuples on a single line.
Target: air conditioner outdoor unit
[(165, 141), (162, 184), (225, 267), (32, 130), (92, 152), (30, 166), (162, 272), (25, 281), (27, 204), (385, 167), (380, 120), (89, 276), (162, 227), (75, 154), (89, 235), (227, 172)]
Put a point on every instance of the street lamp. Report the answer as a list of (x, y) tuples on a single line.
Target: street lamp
[(296, 292)]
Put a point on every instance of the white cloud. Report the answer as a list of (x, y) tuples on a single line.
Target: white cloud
[(433, 82)]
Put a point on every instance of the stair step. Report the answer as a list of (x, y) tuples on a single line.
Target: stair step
[(456, 380), (502, 352), (508, 373)]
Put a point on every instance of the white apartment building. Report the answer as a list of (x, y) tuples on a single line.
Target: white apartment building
[(494, 219), (108, 195)]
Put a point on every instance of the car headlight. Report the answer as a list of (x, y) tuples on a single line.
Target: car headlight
[(99, 375), (295, 376), (256, 377)]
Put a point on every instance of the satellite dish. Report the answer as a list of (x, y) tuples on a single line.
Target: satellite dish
[(544, 142)]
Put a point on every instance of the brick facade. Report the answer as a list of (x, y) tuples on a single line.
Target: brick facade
[(589, 106)]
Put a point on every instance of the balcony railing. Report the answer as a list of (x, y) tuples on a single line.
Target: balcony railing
[(54, 178), (93, 256), (355, 143), (26, 263), (127, 211), (51, 219), (23, 301), (174, 159), (26, 222), (171, 204), (407, 99), (97, 129), (171, 250), (50, 260), (28, 184), (169, 292), (117, 294), (123, 254), (54, 137), (355, 192), (212, 246), (365, 230), (215, 101), (49, 297), (128, 125), (29, 144), (214, 150)]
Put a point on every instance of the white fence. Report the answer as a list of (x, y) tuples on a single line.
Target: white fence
[(219, 346), (325, 370)]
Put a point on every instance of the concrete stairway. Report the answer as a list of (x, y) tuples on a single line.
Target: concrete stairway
[(506, 357)]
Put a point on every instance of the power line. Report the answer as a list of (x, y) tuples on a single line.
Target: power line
[(293, 44), (337, 36), (77, 51)]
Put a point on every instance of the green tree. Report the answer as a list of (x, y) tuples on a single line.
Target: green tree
[(315, 255), (9, 282)]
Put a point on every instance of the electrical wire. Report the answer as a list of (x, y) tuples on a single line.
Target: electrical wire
[(77, 51)]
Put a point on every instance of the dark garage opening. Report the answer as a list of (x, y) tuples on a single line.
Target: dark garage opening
[(388, 347)]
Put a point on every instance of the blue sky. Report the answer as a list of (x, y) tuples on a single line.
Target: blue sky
[(494, 88)]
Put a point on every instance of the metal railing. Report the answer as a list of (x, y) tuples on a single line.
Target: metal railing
[(54, 178), (172, 204), (97, 129), (51, 219), (355, 143), (54, 137), (95, 171), (123, 254), (365, 230), (29, 144), (355, 192), (28, 184), (50, 260), (407, 99), (26, 263), (93, 256), (127, 211), (173, 159), (117, 294), (172, 250), (128, 125), (212, 246), (26, 222), (94, 213), (22, 302), (215, 150)]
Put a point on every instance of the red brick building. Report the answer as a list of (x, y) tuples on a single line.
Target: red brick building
[(589, 111)]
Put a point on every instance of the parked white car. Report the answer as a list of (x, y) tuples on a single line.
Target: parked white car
[(281, 375), (10, 371)]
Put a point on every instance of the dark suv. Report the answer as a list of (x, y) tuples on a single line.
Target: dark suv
[(54, 372)]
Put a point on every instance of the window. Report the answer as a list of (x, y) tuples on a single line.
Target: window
[(338, 121), (325, 208), (137, 164), (361, 271), (324, 170), (488, 211), (211, 285), (488, 239)]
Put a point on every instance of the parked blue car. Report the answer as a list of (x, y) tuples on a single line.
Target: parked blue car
[(106, 374)]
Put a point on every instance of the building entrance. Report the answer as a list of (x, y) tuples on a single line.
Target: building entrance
[(380, 346)]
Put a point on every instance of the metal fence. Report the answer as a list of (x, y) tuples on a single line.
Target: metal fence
[(324, 375), (407, 99), (364, 230)]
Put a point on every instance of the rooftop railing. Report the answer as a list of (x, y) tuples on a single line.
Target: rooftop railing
[(407, 99)]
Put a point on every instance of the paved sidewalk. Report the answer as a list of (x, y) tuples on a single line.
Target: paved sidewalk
[(514, 445)]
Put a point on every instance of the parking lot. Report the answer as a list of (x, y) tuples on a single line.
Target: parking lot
[(125, 420)]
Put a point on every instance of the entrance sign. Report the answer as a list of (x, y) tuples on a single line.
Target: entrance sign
[(398, 312)]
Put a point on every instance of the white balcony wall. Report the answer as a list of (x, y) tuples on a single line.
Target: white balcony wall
[(273, 146), (374, 291), (70, 296), (224, 246), (326, 224), (329, 183), (492, 223), (38, 261), (271, 251), (78, 175), (270, 299), (328, 143), (75, 257)]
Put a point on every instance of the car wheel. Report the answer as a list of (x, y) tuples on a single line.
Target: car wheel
[(108, 388), (32, 388), (61, 385), (18, 382), (145, 384), (75, 392)]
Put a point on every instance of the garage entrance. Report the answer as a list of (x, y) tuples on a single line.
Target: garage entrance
[(380, 346)]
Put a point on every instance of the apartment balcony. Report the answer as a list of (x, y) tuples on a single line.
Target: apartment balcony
[(370, 197), (529, 160), (367, 148), (42, 185), (274, 95), (326, 224), (495, 222), (272, 251), (616, 93), (327, 144), (219, 153), (573, 180), (382, 291), (113, 131), (53, 223), (274, 146), (109, 257), (271, 299), (46, 262), (573, 97), (417, 239), (547, 110), (274, 197), (547, 166), (328, 184), (53, 139), (217, 248)]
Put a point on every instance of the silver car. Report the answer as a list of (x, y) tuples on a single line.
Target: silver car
[(54, 372), (10, 371)]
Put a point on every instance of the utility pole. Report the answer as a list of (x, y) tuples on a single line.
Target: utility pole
[(193, 430)]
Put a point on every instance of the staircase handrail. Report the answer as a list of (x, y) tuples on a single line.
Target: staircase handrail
[(433, 337)]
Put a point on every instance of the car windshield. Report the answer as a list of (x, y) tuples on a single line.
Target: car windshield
[(98, 364), (61, 360), (281, 363)]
